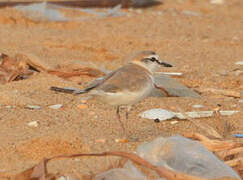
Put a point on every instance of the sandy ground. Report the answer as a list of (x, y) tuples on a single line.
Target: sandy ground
[(203, 46)]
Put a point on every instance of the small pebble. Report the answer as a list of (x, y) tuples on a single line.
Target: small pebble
[(241, 101), (239, 63), (8, 107), (64, 178), (228, 113), (100, 140), (190, 13), (83, 101), (223, 73), (139, 11), (82, 106), (77, 159), (170, 73), (197, 106), (121, 140), (33, 124), (130, 9), (235, 38), (217, 1), (33, 107), (55, 106), (238, 72), (91, 113), (173, 122)]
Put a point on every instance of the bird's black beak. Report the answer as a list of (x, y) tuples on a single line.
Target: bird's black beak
[(165, 64)]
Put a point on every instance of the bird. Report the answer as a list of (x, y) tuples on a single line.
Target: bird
[(127, 85)]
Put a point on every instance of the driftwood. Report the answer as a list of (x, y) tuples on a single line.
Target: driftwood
[(40, 172), (22, 66), (89, 3)]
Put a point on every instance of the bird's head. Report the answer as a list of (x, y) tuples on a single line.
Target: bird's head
[(149, 60)]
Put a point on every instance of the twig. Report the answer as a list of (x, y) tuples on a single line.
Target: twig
[(40, 170), (230, 152), (235, 162)]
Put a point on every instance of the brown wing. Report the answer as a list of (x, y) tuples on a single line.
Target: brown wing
[(129, 76), (96, 83)]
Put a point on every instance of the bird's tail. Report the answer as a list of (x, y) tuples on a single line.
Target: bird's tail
[(69, 90)]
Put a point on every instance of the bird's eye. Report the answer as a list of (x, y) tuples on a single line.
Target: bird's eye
[(153, 59)]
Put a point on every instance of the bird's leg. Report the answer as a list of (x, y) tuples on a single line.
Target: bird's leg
[(119, 119), (118, 112), (128, 110)]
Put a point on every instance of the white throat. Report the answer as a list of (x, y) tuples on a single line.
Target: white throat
[(151, 69)]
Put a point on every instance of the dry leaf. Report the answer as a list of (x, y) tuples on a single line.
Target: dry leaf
[(22, 66), (13, 69)]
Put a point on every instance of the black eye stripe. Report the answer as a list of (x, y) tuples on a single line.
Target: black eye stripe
[(153, 59)]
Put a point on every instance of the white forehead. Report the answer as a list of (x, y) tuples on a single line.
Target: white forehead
[(156, 56)]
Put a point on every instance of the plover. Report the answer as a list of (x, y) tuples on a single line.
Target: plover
[(127, 85)]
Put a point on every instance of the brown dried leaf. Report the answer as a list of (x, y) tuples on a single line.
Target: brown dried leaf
[(33, 62), (12, 68)]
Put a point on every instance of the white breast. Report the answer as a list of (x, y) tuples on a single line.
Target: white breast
[(123, 97)]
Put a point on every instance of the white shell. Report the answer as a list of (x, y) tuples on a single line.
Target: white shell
[(160, 114)]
